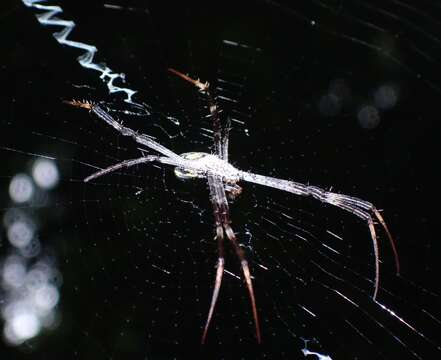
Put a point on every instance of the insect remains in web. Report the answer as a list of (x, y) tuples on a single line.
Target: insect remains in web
[(223, 178)]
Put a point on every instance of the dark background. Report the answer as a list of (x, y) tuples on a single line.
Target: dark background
[(299, 82)]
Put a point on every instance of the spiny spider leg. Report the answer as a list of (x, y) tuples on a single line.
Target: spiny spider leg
[(353, 205), (217, 285), (141, 160), (246, 272), (122, 164), (218, 133), (220, 203), (368, 218), (217, 186), (225, 139), (220, 248), (200, 85), (123, 130), (389, 235)]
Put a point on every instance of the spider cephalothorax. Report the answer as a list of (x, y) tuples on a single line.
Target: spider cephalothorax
[(208, 164), (230, 175)]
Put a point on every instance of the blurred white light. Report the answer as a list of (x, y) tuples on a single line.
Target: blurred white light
[(46, 297), (13, 272), (36, 277), (368, 117), (386, 96), (50, 320), (32, 249), (20, 233), (30, 298), (21, 327), (45, 173), (21, 188)]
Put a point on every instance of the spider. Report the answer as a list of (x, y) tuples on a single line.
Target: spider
[(223, 178)]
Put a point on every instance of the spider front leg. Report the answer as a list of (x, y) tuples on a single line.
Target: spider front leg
[(220, 135), (129, 163)]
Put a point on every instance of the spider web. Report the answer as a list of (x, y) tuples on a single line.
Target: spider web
[(333, 93)]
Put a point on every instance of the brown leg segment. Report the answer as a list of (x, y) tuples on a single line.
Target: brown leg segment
[(391, 239), (246, 272), (217, 285)]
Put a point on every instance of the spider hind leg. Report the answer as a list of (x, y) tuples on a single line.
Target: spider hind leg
[(217, 285), (247, 275)]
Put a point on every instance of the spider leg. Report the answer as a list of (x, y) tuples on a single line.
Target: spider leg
[(358, 207), (200, 85), (220, 143), (219, 275), (129, 163), (220, 246), (391, 239), (358, 203), (123, 130), (217, 128), (225, 139), (220, 204), (246, 272), (368, 218)]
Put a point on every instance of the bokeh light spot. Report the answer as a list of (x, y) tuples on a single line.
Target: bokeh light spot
[(45, 173), (20, 233), (368, 117), (386, 97), (21, 188)]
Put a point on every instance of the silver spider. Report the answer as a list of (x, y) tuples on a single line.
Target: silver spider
[(222, 178)]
